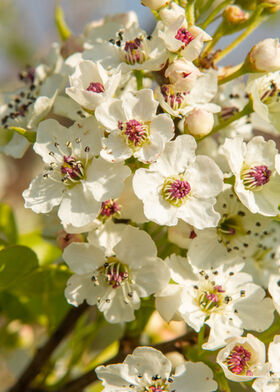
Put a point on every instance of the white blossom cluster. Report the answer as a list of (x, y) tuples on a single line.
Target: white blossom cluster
[(124, 125)]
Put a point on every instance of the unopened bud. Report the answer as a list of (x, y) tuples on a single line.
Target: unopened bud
[(272, 5), (234, 14), (265, 56), (199, 123), (64, 239), (182, 74), (155, 4)]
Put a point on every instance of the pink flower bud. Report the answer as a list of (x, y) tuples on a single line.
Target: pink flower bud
[(182, 74), (199, 123), (234, 14), (64, 239), (265, 55), (155, 4)]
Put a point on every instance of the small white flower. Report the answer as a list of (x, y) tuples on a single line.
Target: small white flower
[(134, 127), (178, 36), (274, 290), (75, 179), (256, 180), (180, 185), (265, 55), (199, 123), (243, 358), (147, 369), (155, 4), (90, 85), (224, 299), (117, 277)]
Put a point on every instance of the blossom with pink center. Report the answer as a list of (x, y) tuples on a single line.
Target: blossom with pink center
[(91, 84), (243, 358), (182, 74), (134, 127), (147, 369), (109, 208), (254, 167), (180, 185), (184, 36)]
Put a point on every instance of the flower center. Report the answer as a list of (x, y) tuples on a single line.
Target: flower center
[(255, 177), (184, 36), (109, 208), (73, 169), (28, 75), (238, 361), (135, 51), (96, 87), (175, 191), (115, 272), (269, 92), (174, 99), (211, 298), (135, 132)]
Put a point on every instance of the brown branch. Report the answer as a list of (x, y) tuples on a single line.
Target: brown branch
[(88, 378), (42, 355)]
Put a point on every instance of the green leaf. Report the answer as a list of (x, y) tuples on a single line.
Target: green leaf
[(16, 263), (63, 29), (8, 227)]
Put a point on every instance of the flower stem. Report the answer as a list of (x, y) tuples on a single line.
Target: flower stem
[(200, 338), (63, 29), (29, 135), (215, 12), (190, 12), (139, 79), (242, 70)]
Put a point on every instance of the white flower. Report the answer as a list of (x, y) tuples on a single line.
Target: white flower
[(271, 383), (265, 55), (178, 36), (132, 50), (224, 299), (180, 185), (264, 92), (90, 85), (134, 127), (182, 74), (256, 180), (179, 103), (147, 369), (75, 180), (237, 235), (155, 4), (116, 280), (243, 358)]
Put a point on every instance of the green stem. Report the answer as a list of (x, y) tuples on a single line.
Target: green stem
[(206, 6), (242, 70), (239, 39), (200, 338), (139, 79), (29, 135), (246, 110), (190, 12), (63, 29), (215, 12), (215, 38)]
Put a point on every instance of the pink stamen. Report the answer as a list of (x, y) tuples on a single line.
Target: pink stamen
[(184, 35), (260, 175), (179, 189), (96, 87), (109, 208), (134, 131), (238, 360)]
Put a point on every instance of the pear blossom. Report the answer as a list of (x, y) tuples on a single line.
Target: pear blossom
[(134, 128), (75, 179), (256, 179), (223, 298), (274, 290), (155, 4), (237, 235), (147, 369), (243, 358), (115, 279), (235, 15), (90, 85), (180, 185), (270, 382), (265, 56), (180, 103), (182, 74), (178, 36), (264, 92), (199, 123)]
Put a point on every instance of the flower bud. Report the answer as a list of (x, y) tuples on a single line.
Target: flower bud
[(199, 123), (64, 239), (265, 56), (234, 14), (182, 74), (272, 5), (155, 4)]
